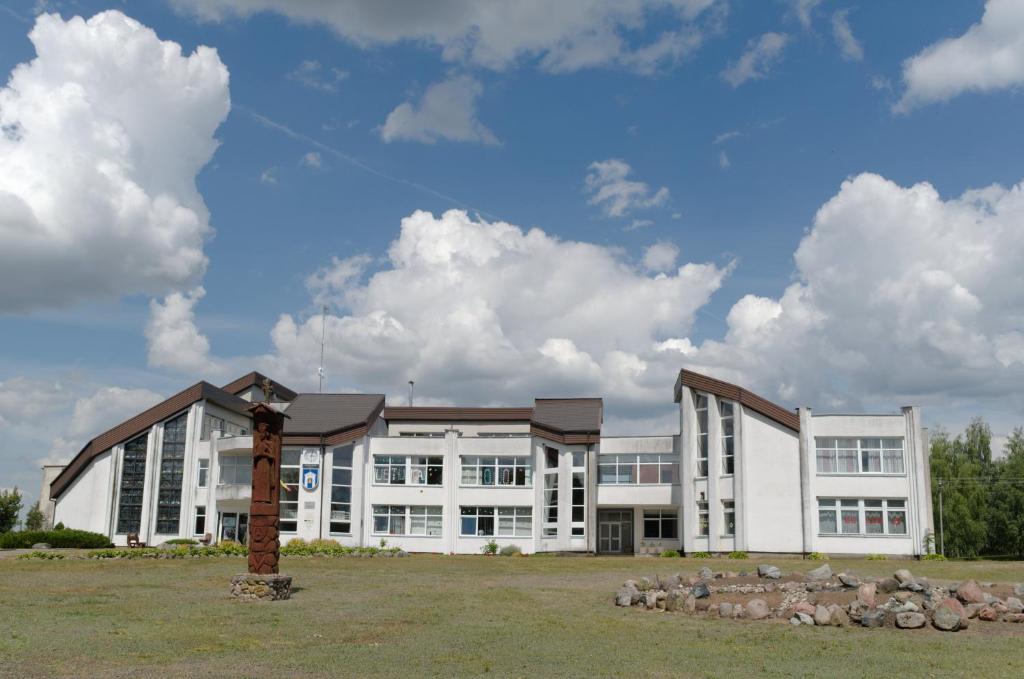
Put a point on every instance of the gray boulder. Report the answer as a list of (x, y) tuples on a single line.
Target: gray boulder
[(624, 597), (804, 619), (874, 618), (822, 616), (1014, 605), (705, 573), (866, 594), (903, 576), (651, 599), (888, 585), (757, 609), (725, 610), (672, 600), (667, 582), (970, 592), (768, 571), (41, 545), (947, 619), (820, 574), (646, 584), (690, 605), (910, 620), (849, 579), (1019, 589), (837, 616), (700, 591)]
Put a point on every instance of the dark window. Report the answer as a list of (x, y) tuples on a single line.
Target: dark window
[(172, 467), (133, 480)]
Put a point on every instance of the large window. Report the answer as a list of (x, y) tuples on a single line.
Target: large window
[(661, 524), (860, 456), (289, 498), (407, 520), (200, 524), (203, 473), (511, 522), (862, 517), (497, 471), (645, 468), (235, 470), (550, 492), (213, 423), (172, 469), (341, 490), (579, 494), (728, 439), (404, 469), (729, 517), (133, 480), (701, 404), (703, 526)]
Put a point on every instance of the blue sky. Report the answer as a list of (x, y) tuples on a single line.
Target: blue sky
[(745, 167)]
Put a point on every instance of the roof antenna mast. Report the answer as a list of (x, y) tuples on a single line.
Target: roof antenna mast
[(411, 383), (323, 336)]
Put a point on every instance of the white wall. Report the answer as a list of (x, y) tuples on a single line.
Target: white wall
[(771, 485), (85, 504)]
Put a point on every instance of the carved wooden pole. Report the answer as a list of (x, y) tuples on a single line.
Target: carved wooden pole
[(265, 506)]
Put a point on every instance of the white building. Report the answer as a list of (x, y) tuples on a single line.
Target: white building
[(743, 474)]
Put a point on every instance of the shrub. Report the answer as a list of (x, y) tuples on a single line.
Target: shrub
[(877, 557), (181, 541), (59, 526), (669, 553), (738, 555), (511, 550), (490, 547), (933, 557), (324, 543), (41, 555), (701, 555), (226, 548), (296, 542), (817, 556), (66, 537)]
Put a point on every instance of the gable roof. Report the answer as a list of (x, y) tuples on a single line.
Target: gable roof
[(787, 418), (332, 418), (255, 379), (141, 423), (568, 420)]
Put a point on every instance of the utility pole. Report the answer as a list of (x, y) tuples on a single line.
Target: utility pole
[(323, 337), (411, 383), (942, 532)]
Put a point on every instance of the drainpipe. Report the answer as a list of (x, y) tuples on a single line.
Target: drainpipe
[(320, 519)]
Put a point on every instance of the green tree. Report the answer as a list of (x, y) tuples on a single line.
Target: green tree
[(34, 518), (958, 468), (10, 507), (1006, 502)]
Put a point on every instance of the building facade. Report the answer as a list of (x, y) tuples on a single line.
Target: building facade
[(742, 474)]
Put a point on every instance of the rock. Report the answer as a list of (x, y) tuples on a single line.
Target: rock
[(856, 609), (820, 574), (41, 545), (705, 573), (822, 616), (702, 605), (988, 614), (624, 597), (725, 610), (903, 576), (849, 579), (837, 616), (972, 610), (874, 618), (1019, 589), (902, 597), (970, 592), (738, 612), (1013, 617), (795, 621), (651, 598), (757, 609), (888, 585), (804, 619), (912, 586), (907, 607), (701, 591), (672, 600), (713, 609), (770, 588), (645, 584), (1014, 605), (910, 620), (866, 594), (667, 582), (768, 571), (952, 587), (690, 605), (947, 618)]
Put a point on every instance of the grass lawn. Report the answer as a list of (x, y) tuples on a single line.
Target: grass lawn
[(448, 616)]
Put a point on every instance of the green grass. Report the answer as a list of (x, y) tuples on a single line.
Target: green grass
[(445, 617)]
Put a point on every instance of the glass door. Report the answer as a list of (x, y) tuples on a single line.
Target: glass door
[(234, 526)]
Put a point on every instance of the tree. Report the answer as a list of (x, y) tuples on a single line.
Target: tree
[(958, 466), (1006, 502), (10, 508), (34, 518)]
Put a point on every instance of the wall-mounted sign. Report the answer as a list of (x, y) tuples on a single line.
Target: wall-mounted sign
[(310, 476)]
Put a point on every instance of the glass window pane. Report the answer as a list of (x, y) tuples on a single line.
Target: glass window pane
[(827, 521), (851, 521), (652, 528), (873, 522), (897, 522), (649, 473)]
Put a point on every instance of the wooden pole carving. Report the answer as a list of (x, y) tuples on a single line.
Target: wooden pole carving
[(265, 506)]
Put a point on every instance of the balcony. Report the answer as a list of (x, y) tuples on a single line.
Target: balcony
[(233, 491), (234, 444)]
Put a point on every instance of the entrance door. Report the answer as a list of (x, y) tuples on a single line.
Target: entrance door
[(234, 526), (615, 532)]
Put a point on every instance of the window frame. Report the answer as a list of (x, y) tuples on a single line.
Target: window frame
[(728, 510), (660, 518), (702, 407), (666, 463), (703, 519), (479, 464), (337, 470), (578, 495), (290, 524), (173, 445), (728, 440), (200, 513), (549, 497), (521, 517), (237, 462), (833, 455), (132, 484), (203, 472), (891, 511), (402, 469)]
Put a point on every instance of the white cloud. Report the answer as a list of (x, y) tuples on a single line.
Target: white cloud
[(881, 83), (723, 160), (447, 110), (661, 256), (849, 46), (23, 398), (804, 10), (96, 413), (312, 159), (103, 134), (756, 62), (560, 37), (269, 176), (174, 340), (637, 224), (726, 136), (315, 76), (988, 57), (616, 194)]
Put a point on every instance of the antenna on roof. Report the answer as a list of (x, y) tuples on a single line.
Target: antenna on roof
[(323, 336), (411, 383)]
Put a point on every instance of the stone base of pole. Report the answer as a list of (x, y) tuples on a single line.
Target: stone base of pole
[(256, 587)]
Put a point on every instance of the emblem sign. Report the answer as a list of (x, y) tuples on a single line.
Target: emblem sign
[(310, 469)]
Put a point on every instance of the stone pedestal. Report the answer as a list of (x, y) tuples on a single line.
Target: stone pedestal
[(261, 587)]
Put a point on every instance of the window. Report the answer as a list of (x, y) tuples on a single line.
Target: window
[(172, 469), (729, 517), (406, 520), (512, 522), (389, 469), (502, 434), (579, 494), (860, 456), (133, 479), (862, 517), (661, 524), (423, 434), (497, 471), (236, 470), (426, 470), (550, 492), (289, 490), (728, 440), (703, 526), (401, 469), (701, 403), (341, 490), (212, 423), (425, 521), (203, 474), (200, 523), (648, 468)]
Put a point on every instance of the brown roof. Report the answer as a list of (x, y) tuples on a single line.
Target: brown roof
[(330, 418), (140, 423), (256, 379), (688, 378)]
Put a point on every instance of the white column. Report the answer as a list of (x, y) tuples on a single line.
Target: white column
[(147, 520), (919, 517), (715, 521), (591, 489), (452, 474), (687, 464), (739, 484), (807, 474)]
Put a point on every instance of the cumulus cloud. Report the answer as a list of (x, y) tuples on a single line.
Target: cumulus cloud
[(610, 187), (312, 74), (559, 37), (762, 54), (94, 414), (804, 11), (447, 110), (312, 159), (849, 47), (723, 160), (988, 57), (661, 256), (174, 339), (103, 134)]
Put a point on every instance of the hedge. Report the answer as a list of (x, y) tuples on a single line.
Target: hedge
[(67, 537)]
